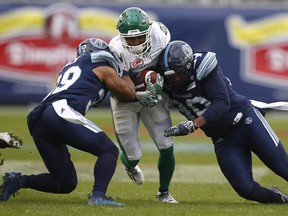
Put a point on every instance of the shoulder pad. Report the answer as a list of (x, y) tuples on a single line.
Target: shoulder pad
[(163, 28), (160, 34), (104, 56), (206, 64)]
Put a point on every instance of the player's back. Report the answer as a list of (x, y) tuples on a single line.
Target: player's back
[(78, 84)]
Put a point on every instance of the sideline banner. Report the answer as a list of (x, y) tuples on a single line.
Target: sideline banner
[(251, 45)]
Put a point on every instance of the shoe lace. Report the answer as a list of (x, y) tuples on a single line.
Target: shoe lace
[(109, 198), (104, 197), (132, 170), (162, 195)]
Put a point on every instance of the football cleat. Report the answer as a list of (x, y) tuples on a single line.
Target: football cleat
[(10, 140), (135, 174), (165, 197), (103, 201), (283, 196), (8, 187)]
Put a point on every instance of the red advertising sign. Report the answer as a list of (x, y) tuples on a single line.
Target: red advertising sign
[(35, 42)]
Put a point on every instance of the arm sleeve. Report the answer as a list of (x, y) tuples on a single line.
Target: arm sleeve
[(214, 88)]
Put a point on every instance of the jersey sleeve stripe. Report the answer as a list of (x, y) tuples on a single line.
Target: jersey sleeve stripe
[(100, 55), (208, 63)]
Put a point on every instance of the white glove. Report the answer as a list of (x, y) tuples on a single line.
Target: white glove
[(151, 97), (183, 128), (157, 85), (150, 101)]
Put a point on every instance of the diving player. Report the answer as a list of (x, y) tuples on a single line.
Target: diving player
[(197, 87)]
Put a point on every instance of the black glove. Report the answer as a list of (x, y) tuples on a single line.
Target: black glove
[(183, 128)]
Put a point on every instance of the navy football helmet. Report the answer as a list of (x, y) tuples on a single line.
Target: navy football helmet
[(90, 45), (176, 65)]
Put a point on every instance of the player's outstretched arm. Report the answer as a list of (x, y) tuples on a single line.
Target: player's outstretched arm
[(123, 88)]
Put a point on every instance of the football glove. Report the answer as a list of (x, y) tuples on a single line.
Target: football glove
[(157, 86), (151, 97), (183, 128), (151, 101)]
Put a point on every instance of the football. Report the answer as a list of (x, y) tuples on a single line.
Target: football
[(140, 79)]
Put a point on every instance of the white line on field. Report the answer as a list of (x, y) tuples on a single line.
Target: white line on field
[(183, 147), (184, 173)]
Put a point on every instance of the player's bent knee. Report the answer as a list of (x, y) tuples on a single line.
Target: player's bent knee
[(67, 188), (113, 150)]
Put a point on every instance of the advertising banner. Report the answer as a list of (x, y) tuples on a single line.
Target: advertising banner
[(251, 45)]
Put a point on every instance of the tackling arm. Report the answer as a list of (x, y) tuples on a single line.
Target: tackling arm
[(123, 88)]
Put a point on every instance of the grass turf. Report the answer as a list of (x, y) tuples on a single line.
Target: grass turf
[(198, 184)]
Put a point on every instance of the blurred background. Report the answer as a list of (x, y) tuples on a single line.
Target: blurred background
[(250, 39)]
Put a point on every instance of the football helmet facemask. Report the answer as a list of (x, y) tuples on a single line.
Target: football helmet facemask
[(134, 22), (90, 45), (176, 65)]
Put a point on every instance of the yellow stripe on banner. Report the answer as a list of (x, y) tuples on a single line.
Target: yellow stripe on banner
[(253, 32), (21, 20), (98, 20)]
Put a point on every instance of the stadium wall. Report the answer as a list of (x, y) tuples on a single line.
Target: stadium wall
[(37, 39)]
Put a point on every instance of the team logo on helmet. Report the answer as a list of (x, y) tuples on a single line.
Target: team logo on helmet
[(187, 50), (100, 44)]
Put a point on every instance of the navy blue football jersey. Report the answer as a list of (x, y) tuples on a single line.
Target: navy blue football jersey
[(209, 94), (78, 84)]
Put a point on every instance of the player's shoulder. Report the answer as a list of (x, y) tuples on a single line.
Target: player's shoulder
[(204, 63), (115, 44), (96, 58), (160, 34), (159, 27)]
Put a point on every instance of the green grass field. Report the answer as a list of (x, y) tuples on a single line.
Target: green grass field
[(198, 184)]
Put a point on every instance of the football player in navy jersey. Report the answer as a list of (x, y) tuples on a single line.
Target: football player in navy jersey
[(59, 121), (199, 90)]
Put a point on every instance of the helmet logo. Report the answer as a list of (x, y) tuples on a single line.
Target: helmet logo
[(83, 48), (98, 43), (91, 45), (187, 50)]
